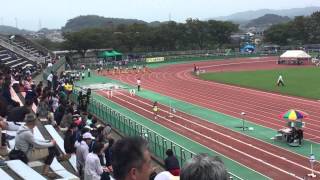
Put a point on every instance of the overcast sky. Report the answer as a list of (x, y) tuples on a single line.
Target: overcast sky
[(30, 14)]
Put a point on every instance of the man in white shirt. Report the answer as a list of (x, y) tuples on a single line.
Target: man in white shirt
[(82, 151), (49, 80), (280, 81), (93, 169), (50, 65)]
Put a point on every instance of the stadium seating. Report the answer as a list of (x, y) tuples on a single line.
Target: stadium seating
[(23, 170), (12, 60), (56, 166), (4, 175), (54, 134), (31, 47)]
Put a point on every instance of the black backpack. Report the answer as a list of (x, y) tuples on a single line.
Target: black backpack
[(18, 154)]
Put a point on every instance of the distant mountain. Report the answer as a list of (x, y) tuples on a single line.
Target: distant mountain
[(249, 15), (267, 21), (93, 21), (7, 30)]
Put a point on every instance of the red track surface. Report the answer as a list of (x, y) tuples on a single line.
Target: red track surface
[(269, 160), (262, 108)]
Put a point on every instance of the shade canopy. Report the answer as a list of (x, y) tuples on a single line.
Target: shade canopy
[(108, 54), (295, 54)]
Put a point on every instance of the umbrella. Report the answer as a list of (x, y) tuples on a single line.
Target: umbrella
[(293, 115)]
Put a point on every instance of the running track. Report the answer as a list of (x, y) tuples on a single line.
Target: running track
[(261, 108), (265, 158)]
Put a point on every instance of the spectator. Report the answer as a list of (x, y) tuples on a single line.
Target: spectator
[(58, 114), (54, 102), (93, 169), (17, 114), (204, 167), (131, 159), (54, 81), (89, 120), (172, 163), (31, 94), (50, 64), (165, 175), (108, 154), (89, 72), (39, 89), (5, 92), (49, 80), (82, 151), (70, 139), (26, 142), (43, 107), (5, 125), (67, 119)]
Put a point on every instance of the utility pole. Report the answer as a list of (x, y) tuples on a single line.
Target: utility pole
[(40, 24), (16, 21)]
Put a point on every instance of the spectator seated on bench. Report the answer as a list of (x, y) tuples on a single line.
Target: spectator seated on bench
[(6, 126), (36, 149)]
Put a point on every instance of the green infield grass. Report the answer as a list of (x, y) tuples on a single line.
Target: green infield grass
[(300, 81)]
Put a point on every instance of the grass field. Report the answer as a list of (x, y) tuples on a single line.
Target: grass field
[(302, 81)]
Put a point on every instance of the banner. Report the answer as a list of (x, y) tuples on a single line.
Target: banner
[(154, 59)]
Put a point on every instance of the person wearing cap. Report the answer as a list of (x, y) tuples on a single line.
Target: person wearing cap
[(35, 148), (82, 151)]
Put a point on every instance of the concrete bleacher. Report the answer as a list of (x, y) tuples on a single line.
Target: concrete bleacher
[(55, 135), (5, 175), (30, 47), (23, 170), (56, 166), (11, 59)]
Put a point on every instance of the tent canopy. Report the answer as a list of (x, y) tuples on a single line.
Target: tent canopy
[(295, 54), (107, 54)]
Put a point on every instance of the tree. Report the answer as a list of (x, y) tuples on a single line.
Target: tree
[(278, 34), (84, 40)]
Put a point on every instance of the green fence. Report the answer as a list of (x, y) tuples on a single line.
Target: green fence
[(157, 143)]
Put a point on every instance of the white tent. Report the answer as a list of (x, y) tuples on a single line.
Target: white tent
[(294, 54), (294, 57)]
